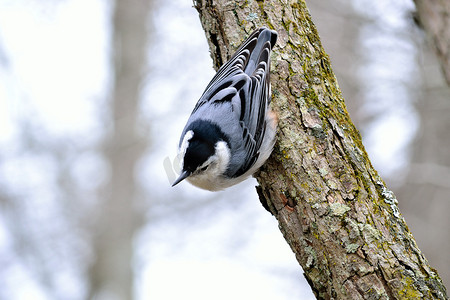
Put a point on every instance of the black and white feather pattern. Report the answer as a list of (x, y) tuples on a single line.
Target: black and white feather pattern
[(238, 98)]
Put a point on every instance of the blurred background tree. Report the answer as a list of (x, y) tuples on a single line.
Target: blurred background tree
[(119, 216), (93, 97)]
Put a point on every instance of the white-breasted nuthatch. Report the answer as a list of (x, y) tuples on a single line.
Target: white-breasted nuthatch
[(231, 131)]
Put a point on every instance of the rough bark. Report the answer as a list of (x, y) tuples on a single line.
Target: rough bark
[(333, 209), (434, 15)]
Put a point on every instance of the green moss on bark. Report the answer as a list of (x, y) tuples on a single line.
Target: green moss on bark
[(333, 209)]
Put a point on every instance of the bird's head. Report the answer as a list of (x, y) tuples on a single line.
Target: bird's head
[(204, 154)]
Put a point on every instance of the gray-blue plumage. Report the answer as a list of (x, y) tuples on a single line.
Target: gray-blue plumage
[(231, 130)]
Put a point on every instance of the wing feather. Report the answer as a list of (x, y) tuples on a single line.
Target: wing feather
[(247, 75)]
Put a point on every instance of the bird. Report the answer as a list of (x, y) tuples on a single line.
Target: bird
[(231, 131)]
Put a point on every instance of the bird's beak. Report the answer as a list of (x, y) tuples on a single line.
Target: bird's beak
[(183, 176)]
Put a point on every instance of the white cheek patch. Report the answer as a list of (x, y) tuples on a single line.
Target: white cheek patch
[(220, 159), (223, 156), (184, 145)]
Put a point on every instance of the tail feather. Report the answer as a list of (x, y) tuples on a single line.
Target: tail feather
[(260, 52)]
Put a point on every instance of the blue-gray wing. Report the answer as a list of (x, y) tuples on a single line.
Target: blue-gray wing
[(246, 75), (254, 105)]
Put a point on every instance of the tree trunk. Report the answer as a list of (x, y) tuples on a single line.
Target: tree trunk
[(333, 209), (434, 15)]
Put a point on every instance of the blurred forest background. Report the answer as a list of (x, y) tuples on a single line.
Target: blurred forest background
[(93, 97)]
